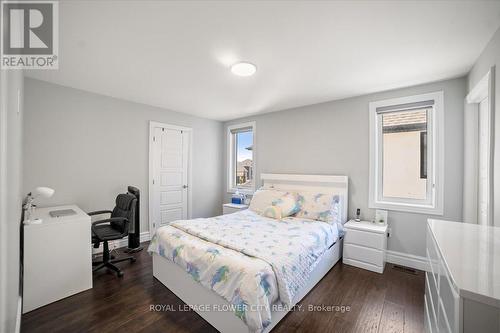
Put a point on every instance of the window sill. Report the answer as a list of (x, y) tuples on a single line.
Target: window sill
[(242, 191), (400, 207)]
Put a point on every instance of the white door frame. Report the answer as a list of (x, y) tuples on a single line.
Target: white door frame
[(483, 89), (152, 125)]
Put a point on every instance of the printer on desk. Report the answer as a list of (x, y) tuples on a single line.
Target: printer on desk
[(62, 212)]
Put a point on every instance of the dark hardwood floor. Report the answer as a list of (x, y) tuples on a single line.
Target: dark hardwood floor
[(389, 302)]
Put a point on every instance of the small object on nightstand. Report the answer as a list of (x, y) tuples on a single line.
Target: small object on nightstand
[(237, 198), (365, 244), (230, 208), (381, 216), (358, 215)]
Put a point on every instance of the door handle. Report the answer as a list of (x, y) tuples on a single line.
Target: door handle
[(184, 186)]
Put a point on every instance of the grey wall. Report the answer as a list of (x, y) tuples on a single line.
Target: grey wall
[(11, 82), (89, 147), (332, 138), (74, 142), (488, 58)]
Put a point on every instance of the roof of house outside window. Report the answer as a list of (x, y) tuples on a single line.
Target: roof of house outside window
[(405, 121)]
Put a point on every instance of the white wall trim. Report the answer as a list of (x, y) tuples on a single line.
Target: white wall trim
[(19, 314), (480, 90), (3, 201), (435, 204), (408, 260), (5, 98), (485, 88), (152, 125), (471, 155), (230, 156), (143, 237)]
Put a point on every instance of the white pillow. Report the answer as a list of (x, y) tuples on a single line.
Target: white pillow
[(264, 198), (287, 203), (318, 206), (273, 212)]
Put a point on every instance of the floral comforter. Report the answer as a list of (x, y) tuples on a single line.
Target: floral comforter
[(250, 260)]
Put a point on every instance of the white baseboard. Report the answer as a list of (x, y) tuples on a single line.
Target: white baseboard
[(408, 260), (144, 237)]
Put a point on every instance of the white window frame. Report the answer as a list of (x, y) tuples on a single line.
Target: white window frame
[(434, 203), (231, 155)]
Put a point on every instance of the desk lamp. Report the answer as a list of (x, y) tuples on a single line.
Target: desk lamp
[(44, 192)]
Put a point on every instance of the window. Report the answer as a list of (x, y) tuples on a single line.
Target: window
[(406, 160), (241, 161)]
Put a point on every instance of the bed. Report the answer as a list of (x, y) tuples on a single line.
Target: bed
[(273, 264)]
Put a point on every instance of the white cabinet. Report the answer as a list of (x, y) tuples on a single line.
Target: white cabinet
[(365, 244), (57, 257), (460, 292), (230, 208)]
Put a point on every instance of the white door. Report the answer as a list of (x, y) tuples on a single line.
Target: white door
[(169, 189), (483, 193)]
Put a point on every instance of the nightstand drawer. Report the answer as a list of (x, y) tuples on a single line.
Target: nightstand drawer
[(364, 254), (230, 208), (366, 239)]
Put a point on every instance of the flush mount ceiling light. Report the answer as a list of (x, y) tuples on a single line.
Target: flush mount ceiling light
[(243, 69)]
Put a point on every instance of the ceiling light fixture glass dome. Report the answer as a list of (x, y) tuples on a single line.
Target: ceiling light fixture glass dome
[(243, 69)]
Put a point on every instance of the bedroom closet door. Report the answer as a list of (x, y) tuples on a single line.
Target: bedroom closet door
[(169, 167)]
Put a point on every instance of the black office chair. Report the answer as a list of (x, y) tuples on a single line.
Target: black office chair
[(115, 227)]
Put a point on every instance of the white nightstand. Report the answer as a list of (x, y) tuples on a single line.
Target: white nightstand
[(230, 208), (365, 244)]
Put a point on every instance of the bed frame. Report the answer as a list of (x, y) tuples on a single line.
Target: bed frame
[(197, 296)]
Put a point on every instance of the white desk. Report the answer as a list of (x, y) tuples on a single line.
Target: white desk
[(57, 257)]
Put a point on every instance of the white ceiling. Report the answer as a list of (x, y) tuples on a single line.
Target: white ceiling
[(176, 55)]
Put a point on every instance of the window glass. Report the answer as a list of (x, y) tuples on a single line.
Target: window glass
[(244, 159), (404, 151)]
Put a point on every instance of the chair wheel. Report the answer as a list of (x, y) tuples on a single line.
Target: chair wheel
[(133, 260), (120, 274)]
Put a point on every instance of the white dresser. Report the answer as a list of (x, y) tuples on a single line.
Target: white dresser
[(462, 288), (57, 257), (365, 244)]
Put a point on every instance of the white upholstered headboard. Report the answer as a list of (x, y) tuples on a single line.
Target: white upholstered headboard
[(319, 183)]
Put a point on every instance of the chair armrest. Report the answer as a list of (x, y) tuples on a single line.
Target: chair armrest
[(99, 212), (112, 219)]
